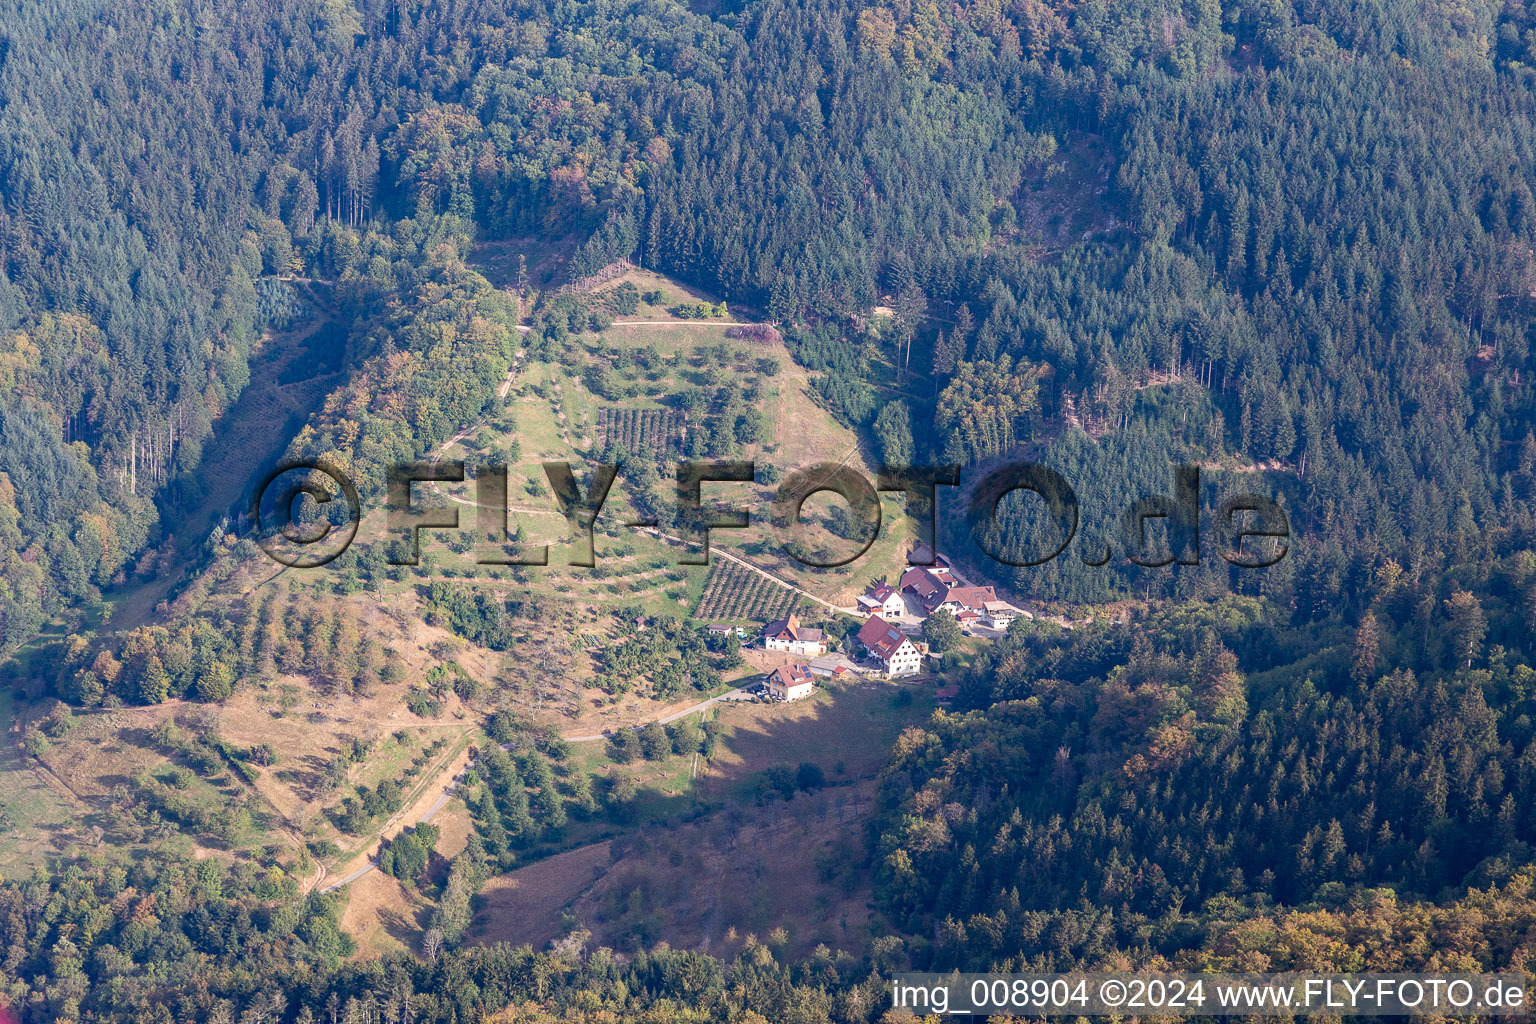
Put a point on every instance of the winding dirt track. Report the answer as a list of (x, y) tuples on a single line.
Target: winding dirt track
[(396, 825)]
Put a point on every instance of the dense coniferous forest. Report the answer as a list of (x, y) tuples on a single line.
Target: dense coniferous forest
[(1290, 242)]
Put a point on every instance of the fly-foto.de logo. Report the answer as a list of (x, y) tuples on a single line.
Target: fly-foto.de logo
[(1253, 531)]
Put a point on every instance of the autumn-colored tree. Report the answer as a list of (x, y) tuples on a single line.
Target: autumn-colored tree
[(1367, 651), (1468, 625)]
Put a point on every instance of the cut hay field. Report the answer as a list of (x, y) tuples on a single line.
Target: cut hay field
[(845, 728), (39, 816), (383, 916), (525, 905), (712, 853), (787, 874)]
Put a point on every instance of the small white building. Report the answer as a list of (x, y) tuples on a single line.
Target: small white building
[(998, 614), (789, 682), (895, 651), (883, 600), (789, 636)]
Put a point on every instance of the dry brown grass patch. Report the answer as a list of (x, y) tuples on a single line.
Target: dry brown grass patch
[(525, 905)]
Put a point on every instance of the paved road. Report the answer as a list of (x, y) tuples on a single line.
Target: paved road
[(715, 550), (427, 816), (524, 329), (680, 323), (354, 876), (740, 693)]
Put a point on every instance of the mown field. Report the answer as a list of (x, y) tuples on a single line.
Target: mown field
[(712, 852)]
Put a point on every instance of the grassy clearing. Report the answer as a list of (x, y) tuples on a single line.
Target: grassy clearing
[(544, 259), (707, 853), (790, 874), (525, 905), (103, 753), (662, 787), (673, 292), (37, 817), (847, 729), (424, 792), (318, 729), (32, 660), (383, 916), (708, 884), (106, 756)]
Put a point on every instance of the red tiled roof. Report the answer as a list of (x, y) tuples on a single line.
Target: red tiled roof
[(880, 637), (969, 597), (921, 582), (790, 675)]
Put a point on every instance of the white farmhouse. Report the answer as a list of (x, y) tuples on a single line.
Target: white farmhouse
[(790, 682), (897, 655), (789, 636)]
